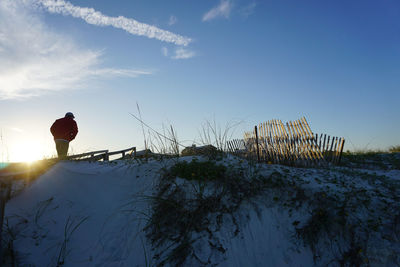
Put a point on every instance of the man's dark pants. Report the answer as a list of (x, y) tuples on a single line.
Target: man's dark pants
[(62, 147)]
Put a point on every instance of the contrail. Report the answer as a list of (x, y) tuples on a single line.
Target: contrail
[(94, 17)]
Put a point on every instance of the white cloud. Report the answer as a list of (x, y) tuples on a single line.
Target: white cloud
[(182, 53), (35, 60), (94, 17), (179, 53), (172, 20), (222, 10), (112, 72), (164, 51)]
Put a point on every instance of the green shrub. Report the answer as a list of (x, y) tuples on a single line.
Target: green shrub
[(200, 171)]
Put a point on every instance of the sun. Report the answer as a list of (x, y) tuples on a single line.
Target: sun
[(26, 152)]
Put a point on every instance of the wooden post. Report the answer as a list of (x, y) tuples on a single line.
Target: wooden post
[(341, 151), (258, 152), (260, 132)]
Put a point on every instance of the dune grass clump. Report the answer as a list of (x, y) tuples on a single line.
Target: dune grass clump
[(394, 149), (193, 201), (339, 208), (370, 159)]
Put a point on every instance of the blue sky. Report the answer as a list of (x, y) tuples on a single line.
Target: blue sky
[(335, 62)]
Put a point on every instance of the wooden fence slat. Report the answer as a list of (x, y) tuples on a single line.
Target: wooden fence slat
[(331, 148), (296, 143), (303, 151), (327, 146), (334, 150), (285, 140), (275, 144), (267, 146), (292, 145), (337, 150), (271, 142), (262, 142), (267, 143), (305, 145), (267, 156), (277, 141), (320, 142), (313, 142), (282, 142)]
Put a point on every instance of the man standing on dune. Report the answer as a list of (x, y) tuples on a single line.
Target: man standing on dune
[(64, 131)]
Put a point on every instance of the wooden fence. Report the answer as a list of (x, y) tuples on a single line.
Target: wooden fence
[(291, 144)]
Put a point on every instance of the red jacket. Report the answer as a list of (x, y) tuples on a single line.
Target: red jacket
[(64, 128)]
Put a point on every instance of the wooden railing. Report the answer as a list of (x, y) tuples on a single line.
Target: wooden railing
[(129, 151), (87, 155), (103, 155)]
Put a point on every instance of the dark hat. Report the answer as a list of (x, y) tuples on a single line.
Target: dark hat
[(69, 114)]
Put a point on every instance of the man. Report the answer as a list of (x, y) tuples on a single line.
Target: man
[(64, 131)]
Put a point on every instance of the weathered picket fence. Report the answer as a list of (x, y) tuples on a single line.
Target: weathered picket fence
[(291, 144)]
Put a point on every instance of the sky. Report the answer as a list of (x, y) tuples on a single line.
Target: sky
[(187, 62)]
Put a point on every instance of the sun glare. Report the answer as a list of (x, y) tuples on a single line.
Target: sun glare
[(26, 152)]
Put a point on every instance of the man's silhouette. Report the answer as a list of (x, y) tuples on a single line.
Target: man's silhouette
[(64, 131)]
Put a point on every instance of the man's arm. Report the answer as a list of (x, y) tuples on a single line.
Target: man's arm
[(74, 131)]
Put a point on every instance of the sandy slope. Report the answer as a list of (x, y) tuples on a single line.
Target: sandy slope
[(93, 214), (96, 195)]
